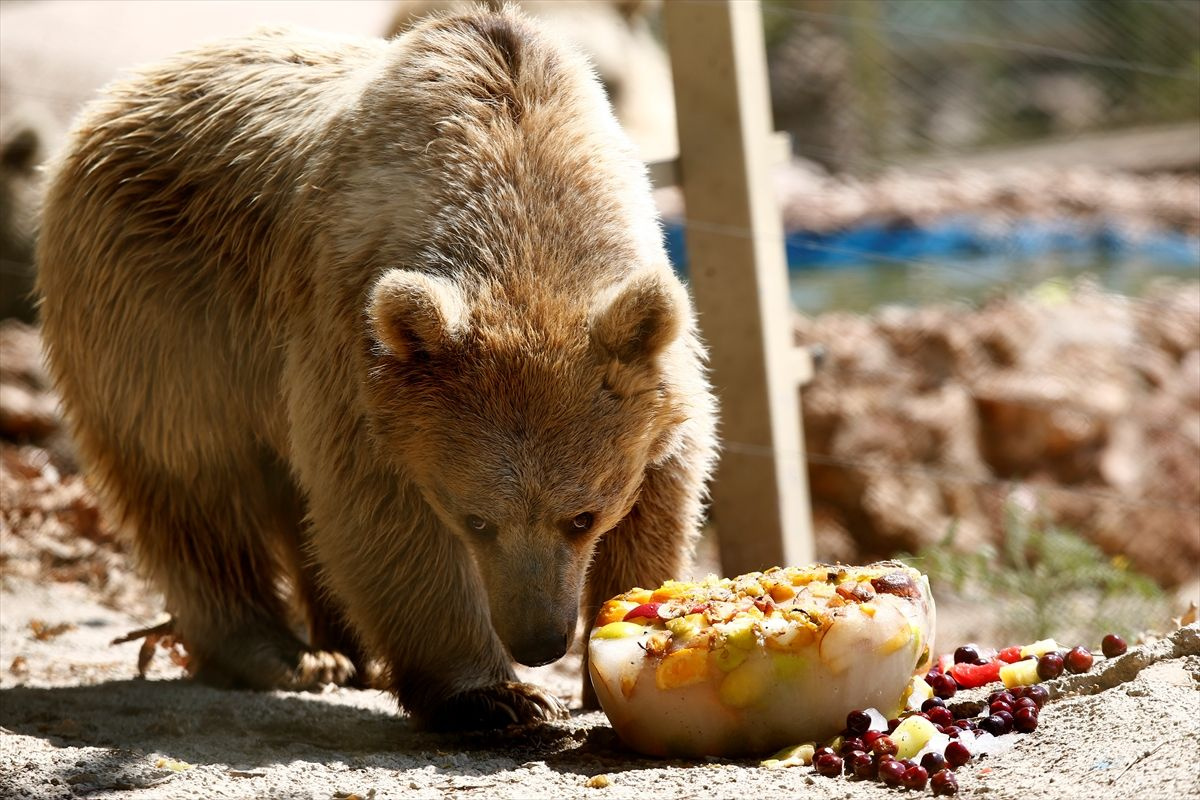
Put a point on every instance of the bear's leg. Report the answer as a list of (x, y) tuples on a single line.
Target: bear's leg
[(328, 629), (415, 597), (211, 544), (646, 548)]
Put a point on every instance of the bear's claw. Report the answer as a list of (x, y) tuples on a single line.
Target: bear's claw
[(262, 658), (497, 706)]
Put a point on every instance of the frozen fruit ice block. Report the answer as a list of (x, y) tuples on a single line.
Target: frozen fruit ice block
[(744, 666)]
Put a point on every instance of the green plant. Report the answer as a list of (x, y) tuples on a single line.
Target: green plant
[(1045, 580)]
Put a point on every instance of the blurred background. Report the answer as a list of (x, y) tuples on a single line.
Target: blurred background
[(992, 217)]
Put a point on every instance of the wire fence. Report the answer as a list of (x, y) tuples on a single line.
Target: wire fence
[(893, 80)]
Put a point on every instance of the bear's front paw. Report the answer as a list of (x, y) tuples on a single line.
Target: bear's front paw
[(497, 706)]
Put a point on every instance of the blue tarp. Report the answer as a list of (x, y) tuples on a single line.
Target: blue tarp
[(968, 238)]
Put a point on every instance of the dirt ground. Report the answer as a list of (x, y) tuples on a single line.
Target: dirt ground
[(76, 721)]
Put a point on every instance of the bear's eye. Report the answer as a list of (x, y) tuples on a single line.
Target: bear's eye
[(480, 526), (582, 523)]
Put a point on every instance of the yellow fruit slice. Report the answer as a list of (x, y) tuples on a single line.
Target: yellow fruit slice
[(1020, 673), (618, 630), (682, 668), (613, 611)]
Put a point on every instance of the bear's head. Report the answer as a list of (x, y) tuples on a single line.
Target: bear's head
[(528, 423)]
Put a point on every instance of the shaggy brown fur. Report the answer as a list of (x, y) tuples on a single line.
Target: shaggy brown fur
[(390, 322)]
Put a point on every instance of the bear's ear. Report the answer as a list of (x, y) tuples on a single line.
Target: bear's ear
[(413, 313), (636, 320)]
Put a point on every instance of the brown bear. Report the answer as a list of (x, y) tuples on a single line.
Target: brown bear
[(382, 326)]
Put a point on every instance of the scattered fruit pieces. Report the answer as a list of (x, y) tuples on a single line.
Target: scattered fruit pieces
[(911, 735), (944, 783), (798, 755), (1039, 648), (598, 782), (972, 676), (1050, 666), (1113, 646), (1078, 659), (173, 765)]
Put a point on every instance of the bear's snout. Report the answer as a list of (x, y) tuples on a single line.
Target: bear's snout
[(541, 647)]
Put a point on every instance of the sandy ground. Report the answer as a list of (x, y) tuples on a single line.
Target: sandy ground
[(77, 722)]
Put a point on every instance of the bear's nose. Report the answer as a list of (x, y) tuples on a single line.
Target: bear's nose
[(542, 648)]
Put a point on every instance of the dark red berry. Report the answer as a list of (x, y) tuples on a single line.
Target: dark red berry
[(1078, 659), (864, 766), (933, 702), (1038, 694), (891, 772), (869, 738), (1007, 718), (944, 783), (1003, 696), (828, 764), (962, 724), (851, 743), (995, 725), (953, 731), (848, 760), (884, 746), (1050, 666), (1025, 720), (944, 686), (1018, 691), (908, 762), (1113, 646), (933, 762), (821, 751), (914, 777), (1000, 705), (1024, 702), (968, 654), (892, 724), (957, 754), (858, 722), (941, 716)]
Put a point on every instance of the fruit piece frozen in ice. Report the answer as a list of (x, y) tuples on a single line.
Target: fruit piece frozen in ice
[(916, 693), (781, 591), (789, 666), (728, 658), (619, 630), (746, 685), (740, 633), (685, 628), (648, 611), (682, 668), (638, 596), (669, 591), (613, 611)]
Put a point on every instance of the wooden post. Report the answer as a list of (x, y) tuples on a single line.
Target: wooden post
[(738, 276)]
